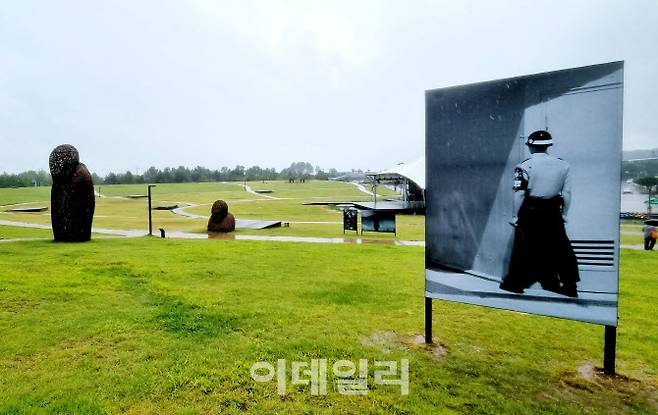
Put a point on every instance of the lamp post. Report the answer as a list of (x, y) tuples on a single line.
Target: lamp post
[(150, 217)]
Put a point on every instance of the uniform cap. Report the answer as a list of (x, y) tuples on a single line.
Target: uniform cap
[(540, 138)]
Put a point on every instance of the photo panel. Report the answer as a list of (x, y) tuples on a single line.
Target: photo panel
[(522, 221)]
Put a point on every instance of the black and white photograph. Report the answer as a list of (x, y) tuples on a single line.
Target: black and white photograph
[(523, 193)]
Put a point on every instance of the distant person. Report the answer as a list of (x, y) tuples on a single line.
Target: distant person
[(542, 251), (650, 235)]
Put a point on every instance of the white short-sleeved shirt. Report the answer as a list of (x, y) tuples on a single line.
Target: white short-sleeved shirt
[(547, 176)]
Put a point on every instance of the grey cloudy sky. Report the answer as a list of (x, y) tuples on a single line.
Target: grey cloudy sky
[(336, 83)]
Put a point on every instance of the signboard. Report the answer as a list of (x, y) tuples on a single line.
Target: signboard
[(378, 221), (513, 222), (350, 220)]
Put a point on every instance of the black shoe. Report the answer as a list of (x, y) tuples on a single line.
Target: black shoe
[(553, 288), (511, 288), (569, 291)]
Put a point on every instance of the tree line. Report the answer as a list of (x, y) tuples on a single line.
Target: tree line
[(26, 179), (641, 168), (296, 171)]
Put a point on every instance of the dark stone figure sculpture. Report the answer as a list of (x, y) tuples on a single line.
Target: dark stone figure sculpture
[(72, 200), (221, 220)]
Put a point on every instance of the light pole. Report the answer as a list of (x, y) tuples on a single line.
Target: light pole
[(150, 218)]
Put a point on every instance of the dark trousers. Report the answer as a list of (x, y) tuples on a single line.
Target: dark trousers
[(649, 243), (542, 251)]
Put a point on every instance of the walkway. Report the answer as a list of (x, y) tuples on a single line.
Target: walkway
[(253, 192), (132, 233), (221, 236)]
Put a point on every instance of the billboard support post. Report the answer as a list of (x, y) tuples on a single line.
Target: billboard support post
[(609, 350), (150, 211), (428, 320)]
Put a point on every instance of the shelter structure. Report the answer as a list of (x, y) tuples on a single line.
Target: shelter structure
[(409, 177)]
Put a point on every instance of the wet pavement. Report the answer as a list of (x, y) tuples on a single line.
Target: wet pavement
[(132, 233), (253, 192), (634, 202)]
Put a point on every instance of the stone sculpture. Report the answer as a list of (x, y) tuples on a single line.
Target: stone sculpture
[(72, 199), (221, 220)]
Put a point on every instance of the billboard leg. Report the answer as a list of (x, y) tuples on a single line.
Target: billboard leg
[(150, 217), (428, 320), (609, 350)]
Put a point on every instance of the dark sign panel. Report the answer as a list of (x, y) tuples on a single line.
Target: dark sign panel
[(378, 221), (523, 187), (350, 220)]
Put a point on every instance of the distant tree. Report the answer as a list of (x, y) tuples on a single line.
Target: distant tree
[(297, 171), (111, 178), (128, 178), (639, 168), (320, 174), (271, 174), (224, 173), (254, 173), (237, 174), (200, 174), (150, 175), (181, 175), (648, 182), (286, 174), (43, 178), (96, 178)]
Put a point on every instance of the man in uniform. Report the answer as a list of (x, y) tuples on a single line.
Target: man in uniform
[(542, 251)]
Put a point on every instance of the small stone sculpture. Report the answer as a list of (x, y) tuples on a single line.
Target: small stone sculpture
[(221, 220), (72, 200)]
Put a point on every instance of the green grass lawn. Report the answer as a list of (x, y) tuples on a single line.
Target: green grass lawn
[(163, 326), (10, 196), (8, 232), (637, 239), (117, 212)]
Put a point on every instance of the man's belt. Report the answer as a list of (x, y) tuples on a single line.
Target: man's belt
[(531, 202)]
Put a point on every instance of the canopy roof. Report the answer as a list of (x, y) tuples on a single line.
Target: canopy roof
[(414, 171)]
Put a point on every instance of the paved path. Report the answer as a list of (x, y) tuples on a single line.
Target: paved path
[(305, 239), (181, 211), (24, 203), (7, 240), (253, 192), (229, 236), (637, 247), (116, 232), (186, 235)]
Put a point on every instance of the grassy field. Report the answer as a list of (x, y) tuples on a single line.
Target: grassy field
[(8, 232), (115, 211), (24, 194), (163, 326)]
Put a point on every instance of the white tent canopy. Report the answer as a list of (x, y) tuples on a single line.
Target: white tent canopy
[(414, 171)]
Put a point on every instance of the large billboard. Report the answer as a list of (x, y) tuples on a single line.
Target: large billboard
[(523, 190)]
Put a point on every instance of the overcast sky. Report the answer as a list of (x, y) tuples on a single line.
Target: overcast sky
[(339, 84)]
